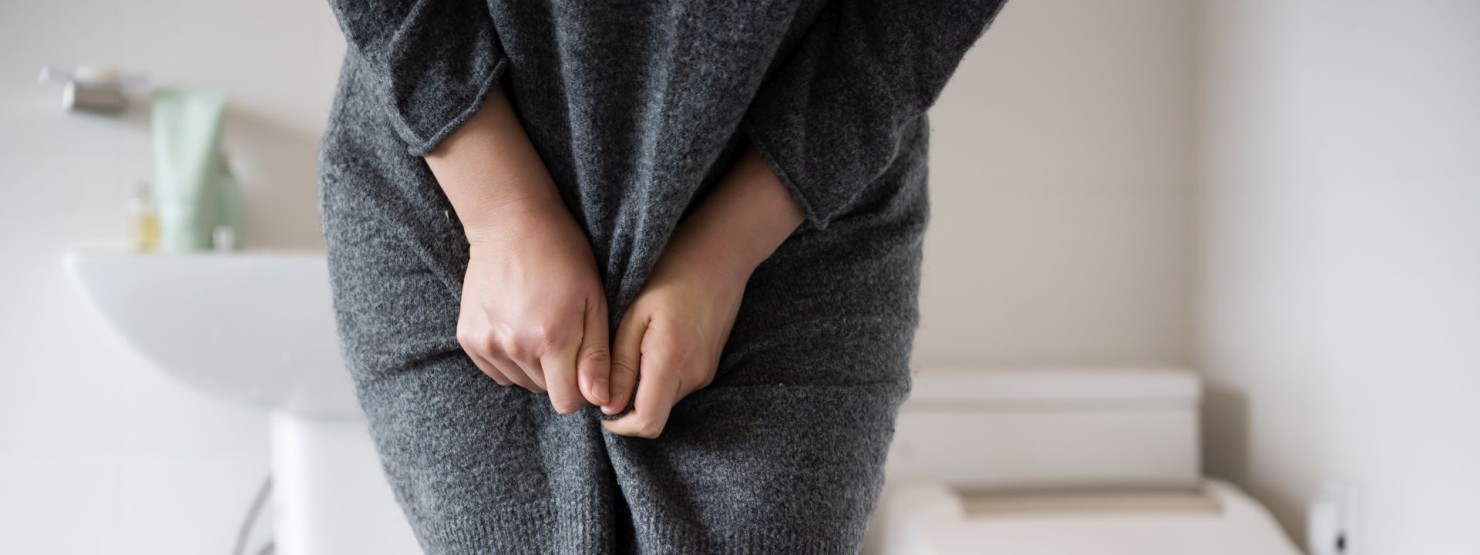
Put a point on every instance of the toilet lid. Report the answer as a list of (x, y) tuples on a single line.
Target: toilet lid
[(932, 520)]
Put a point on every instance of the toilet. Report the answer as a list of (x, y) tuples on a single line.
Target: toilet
[(1086, 461)]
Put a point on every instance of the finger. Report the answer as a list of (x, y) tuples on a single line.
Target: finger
[(656, 394), (560, 378), (512, 371), (626, 358), (594, 358), (532, 370), (488, 368)]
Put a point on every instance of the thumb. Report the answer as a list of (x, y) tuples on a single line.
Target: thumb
[(593, 361), (626, 358)]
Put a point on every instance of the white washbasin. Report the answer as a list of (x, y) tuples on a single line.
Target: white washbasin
[(255, 326), (259, 327)]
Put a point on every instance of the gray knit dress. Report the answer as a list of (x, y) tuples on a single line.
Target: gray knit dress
[(638, 108)]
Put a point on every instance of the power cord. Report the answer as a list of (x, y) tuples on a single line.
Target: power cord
[(250, 521)]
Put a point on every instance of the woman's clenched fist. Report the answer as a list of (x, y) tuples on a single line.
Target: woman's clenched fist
[(533, 310)]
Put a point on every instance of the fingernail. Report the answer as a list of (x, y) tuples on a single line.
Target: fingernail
[(601, 390)]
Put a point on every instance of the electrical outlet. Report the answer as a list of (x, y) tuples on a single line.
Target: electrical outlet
[(1333, 521)]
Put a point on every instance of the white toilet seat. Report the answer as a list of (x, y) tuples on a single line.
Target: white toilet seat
[(931, 519)]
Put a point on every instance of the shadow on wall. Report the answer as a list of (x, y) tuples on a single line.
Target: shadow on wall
[(1226, 454), (278, 165), (1225, 429)]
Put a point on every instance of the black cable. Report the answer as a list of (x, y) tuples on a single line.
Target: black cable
[(251, 519)]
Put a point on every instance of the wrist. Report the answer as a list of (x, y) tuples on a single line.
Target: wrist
[(708, 258), (512, 218), (494, 178), (742, 222)]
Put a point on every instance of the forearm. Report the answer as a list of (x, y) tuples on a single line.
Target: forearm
[(533, 311), (490, 171), (748, 215)]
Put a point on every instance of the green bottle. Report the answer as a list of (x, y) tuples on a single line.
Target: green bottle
[(186, 128)]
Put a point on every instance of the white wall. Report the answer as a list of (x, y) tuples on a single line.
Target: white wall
[(1061, 171), (100, 453), (1339, 288)]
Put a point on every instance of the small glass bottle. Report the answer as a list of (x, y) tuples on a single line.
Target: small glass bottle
[(143, 219)]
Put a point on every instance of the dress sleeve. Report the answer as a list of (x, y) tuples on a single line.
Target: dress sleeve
[(830, 118), (430, 62)]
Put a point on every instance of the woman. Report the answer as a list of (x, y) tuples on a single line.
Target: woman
[(637, 277)]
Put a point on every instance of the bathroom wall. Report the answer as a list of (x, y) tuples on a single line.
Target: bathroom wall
[(99, 452), (1339, 272), (1061, 177), (1061, 171)]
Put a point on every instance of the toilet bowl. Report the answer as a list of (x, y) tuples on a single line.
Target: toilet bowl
[(1091, 461)]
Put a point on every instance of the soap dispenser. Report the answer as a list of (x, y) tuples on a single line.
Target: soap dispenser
[(143, 219)]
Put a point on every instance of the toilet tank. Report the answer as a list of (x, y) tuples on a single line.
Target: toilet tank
[(1049, 428)]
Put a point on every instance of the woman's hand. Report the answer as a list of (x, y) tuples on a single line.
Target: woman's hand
[(671, 337), (669, 341), (533, 309)]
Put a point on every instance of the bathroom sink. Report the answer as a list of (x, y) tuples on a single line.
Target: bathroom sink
[(258, 327), (255, 326)]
